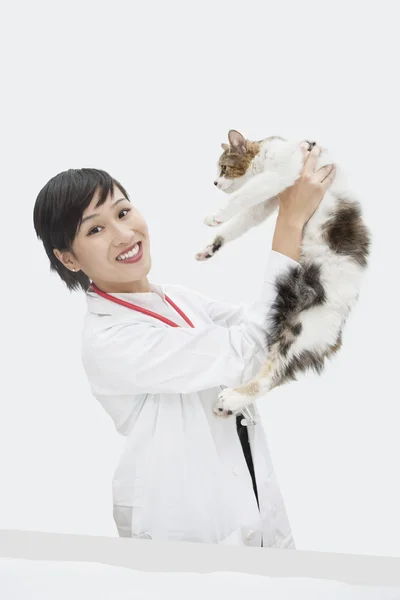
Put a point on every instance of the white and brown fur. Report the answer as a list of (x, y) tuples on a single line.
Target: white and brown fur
[(314, 299)]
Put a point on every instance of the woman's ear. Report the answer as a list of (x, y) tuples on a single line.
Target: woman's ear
[(67, 260)]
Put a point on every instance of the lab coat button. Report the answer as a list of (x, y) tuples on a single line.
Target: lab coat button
[(236, 470)]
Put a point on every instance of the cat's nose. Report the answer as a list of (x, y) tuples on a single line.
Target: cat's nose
[(215, 182)]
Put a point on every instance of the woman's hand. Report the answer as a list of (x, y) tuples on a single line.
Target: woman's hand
[(298, 203)]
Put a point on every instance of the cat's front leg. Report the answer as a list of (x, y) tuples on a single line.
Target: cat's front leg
[(211, 221), (258, 189), (238, 226)]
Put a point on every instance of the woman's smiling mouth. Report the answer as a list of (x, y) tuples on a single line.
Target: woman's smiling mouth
[(133, 255)]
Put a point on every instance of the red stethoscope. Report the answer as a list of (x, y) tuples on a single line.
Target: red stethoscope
[(248, 417), (144, 310)]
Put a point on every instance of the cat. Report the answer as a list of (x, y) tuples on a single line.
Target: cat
[(314, 298)]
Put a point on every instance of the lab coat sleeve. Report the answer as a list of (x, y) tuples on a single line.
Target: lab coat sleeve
[(138, 357), (227, 315)]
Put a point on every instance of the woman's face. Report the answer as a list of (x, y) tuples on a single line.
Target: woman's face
[(107, 233)]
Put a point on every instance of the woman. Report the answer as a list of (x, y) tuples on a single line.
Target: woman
[(185, 474)]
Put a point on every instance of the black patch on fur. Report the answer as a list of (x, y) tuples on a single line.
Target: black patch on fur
[(312, 292), (301, 363), (346, 233), (215, 246), (284, 347), (297, 290), (307, 360), (296, 329), (217, 243)]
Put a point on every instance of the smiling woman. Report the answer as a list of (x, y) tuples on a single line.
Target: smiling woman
[(111, 235), (103, 234), (156, 358)]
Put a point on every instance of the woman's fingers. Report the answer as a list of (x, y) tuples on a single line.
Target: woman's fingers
[(311, 160), (326, 175), (304, 148)]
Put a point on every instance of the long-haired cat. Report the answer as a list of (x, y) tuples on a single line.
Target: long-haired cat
[(314, 299)]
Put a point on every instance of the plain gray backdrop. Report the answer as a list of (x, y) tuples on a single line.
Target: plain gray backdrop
[(147, 92)]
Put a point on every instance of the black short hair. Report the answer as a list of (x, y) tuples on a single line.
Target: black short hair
[(58, 212)]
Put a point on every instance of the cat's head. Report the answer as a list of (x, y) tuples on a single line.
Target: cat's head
[(239, 161)]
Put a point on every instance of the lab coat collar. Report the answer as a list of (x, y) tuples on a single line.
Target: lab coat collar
[(98, 305)]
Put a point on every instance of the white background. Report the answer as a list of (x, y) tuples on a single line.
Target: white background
[(147, 91)]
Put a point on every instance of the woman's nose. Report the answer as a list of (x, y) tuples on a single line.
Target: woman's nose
[(122, 233)]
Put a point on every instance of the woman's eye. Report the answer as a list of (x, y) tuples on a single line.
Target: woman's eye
[(93, 230)]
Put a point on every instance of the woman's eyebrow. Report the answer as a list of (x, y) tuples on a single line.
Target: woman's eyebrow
[(97, 214)]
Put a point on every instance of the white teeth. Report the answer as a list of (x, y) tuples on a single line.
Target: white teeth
[(129, 254)]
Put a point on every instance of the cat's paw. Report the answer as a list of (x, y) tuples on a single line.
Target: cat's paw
[(211, 249), (205, 254), (212, 221), (230, 402)]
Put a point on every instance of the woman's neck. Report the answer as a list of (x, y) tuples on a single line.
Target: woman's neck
[(129, 287)]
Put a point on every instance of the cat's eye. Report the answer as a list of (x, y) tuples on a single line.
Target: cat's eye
[(223, 170)]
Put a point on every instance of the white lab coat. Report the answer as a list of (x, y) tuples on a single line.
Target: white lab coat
[(182, 475)]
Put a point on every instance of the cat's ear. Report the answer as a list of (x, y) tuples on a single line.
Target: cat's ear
[(237, 141), (225, 146)]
